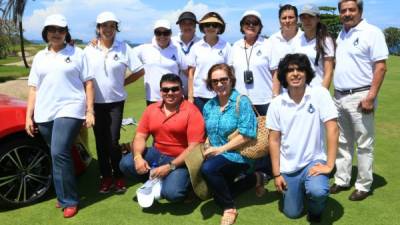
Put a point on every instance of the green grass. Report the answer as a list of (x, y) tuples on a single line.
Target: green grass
[(380, 208), (12, 72)]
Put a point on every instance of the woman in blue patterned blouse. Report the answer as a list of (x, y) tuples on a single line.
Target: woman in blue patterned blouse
[(224, 168)]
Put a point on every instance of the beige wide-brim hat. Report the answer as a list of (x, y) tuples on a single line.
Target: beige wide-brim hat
[(194, 159), (211, 20)]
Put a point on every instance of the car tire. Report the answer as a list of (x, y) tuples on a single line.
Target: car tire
[(25, 171)]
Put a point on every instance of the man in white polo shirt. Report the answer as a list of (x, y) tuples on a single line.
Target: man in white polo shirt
[(360, 68), (298, 120)]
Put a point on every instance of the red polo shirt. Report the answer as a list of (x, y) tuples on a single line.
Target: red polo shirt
[(173, 133)]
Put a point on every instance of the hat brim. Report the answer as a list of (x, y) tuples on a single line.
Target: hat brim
[(211, 20), (181, 19)]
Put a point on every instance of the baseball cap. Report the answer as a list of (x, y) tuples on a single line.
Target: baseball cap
[(252, 13), (162, 23), (56, 20), (186, 16), (106, 16), (310, 9), (148, 192)]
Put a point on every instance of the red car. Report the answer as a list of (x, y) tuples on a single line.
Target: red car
[(25, 162)]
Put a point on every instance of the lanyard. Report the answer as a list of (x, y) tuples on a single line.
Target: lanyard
[(248, 58), (188, 49)]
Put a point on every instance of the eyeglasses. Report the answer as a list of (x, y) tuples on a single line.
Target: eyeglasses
[(52, 29), (251, 23), (223, 80), (162, 33), (211, 25), (173, 89)]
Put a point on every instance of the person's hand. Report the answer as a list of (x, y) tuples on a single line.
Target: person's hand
[(318, 169), (141, 166), (367, 105), (280, 184), (30, 127), (93, 42), (213, 151), (89, 121), (160, 171)]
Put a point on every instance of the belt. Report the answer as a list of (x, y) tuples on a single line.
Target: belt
[(354, 90)]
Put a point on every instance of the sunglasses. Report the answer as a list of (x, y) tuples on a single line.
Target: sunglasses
[(251, 23), (211, 25), (173, 89), (52, 29), (162, 33), (223, 80)]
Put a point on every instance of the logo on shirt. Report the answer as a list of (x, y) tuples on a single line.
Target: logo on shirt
[(311, 108), (68, 60), (355, 43), (116, 57), (220, 53), (259, 53), (173, 57)]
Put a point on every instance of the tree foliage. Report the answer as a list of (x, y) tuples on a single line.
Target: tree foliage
[(330, 19), (392, 35)]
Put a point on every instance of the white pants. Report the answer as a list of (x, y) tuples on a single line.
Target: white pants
[(355, 128)]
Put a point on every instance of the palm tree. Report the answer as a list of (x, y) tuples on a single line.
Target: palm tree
[(13, 10)]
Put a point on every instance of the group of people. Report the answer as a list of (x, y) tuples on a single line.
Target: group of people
[(198, 88)]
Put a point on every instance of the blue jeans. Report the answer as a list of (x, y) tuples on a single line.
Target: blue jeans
[(200, 102), (220, 174), (59, 135), (299, 185), (174, 186)]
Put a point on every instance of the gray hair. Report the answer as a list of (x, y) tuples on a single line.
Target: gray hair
[(360, 4)]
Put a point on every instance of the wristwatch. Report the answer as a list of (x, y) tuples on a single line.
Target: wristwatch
[(172, 166)]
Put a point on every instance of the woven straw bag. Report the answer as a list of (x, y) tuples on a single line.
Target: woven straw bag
[(258, 147)]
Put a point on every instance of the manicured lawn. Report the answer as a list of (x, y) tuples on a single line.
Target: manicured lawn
[(380, 208)]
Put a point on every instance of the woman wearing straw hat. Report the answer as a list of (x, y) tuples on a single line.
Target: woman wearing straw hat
[(108, 60), (224, 169), (60, 100), (208, 51)]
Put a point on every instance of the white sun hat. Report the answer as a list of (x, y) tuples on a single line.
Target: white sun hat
[(162, 23), (148, 192), (56, 20), (252, 13), (106, 16)]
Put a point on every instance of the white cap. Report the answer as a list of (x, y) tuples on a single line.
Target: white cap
[(106, 16), (56, 20), (162, 23), (310, 9), (148, 192), (252, 13)]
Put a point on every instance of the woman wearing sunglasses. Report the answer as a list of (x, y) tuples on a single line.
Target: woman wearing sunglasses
[(224, 169), (60, 100), (206, 53), (159, 57), (108, 61), (318, 45)]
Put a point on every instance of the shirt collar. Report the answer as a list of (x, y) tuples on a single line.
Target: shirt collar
[(65, 50), (114, 45), (154, 43), (360, 26), (259, 41), (286, 98), (203, 42)]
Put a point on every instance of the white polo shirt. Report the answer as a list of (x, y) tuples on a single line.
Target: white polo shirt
[(59, 80), (157, 62), (301, 126), (203, 57), (281, 47), (108, 67), (309, 48), (357, 51), (259, 58), (185, 50)]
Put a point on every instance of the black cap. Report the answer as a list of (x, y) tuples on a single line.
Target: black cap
[(186, 16)]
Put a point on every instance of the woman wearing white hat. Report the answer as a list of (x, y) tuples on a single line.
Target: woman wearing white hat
[(205, 53), (318, 45), (159, 57), (60, 100), (108, 61)]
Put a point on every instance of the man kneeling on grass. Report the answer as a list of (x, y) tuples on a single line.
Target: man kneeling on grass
[(176, 126), (297, 119)]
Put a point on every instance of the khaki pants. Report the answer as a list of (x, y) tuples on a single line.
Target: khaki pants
[(355, 128)]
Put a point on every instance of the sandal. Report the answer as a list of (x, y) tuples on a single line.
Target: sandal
[(261, 178), (229, 217)]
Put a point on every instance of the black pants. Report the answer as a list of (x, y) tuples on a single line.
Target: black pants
[(108, 118)]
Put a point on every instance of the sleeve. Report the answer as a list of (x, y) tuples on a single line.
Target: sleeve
[(275, 56), (85, 75), (144, 126), (268, 53), (228, 52), (247, 124), (134, 62), (196, 126), (379, 49), (273, 116), (182, 60), (329, 47), (191, 58), (327, 107), (33, 78)]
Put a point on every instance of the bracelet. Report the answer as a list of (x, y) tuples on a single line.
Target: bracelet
[(137, 156), (276, 176)]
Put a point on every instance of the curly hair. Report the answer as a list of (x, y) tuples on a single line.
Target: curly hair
[(301, 61)]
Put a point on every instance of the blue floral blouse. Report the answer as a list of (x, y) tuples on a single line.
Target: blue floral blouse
[(219, 125)]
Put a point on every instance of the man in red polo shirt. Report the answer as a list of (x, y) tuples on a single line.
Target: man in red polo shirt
[(176, 126)]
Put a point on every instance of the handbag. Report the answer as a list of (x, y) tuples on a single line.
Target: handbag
[(258, 147)]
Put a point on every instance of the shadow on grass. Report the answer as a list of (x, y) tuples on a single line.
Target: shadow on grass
[(7, 78)]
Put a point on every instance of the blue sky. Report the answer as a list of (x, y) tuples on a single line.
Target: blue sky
[(138, 16)]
